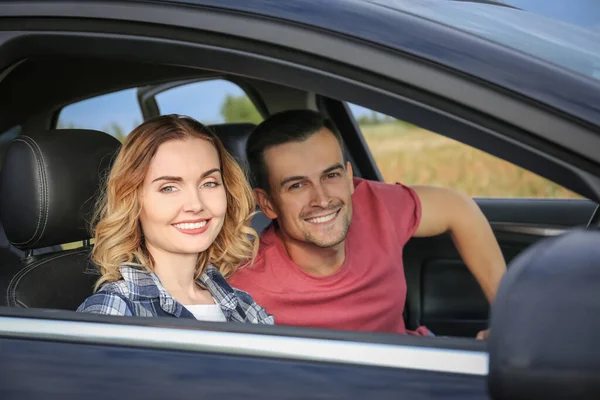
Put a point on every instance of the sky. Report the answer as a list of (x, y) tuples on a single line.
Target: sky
[(584, 13), (203, 100)]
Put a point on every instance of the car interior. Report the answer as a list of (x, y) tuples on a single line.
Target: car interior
[(50, 178)]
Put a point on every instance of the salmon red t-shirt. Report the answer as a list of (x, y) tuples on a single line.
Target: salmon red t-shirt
[(367, 293)]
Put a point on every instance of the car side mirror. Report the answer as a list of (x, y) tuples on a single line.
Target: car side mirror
[(545, 322)]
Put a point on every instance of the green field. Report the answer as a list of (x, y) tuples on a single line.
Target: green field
[(408, 154)]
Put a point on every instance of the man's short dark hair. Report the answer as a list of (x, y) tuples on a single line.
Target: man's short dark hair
[(283, 127)]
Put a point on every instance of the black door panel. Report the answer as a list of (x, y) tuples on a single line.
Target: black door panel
[(442, 293), (557, 212)]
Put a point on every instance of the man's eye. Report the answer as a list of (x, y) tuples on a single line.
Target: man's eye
[(295, 186), (334, 175), (168, 189)]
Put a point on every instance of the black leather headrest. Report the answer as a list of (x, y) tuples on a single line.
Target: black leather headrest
[(48, 185), (545, 322), (234, 137)]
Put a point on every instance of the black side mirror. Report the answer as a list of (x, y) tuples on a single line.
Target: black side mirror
[(545, 322)]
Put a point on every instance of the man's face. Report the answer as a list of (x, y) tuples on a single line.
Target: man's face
[(311, 190)]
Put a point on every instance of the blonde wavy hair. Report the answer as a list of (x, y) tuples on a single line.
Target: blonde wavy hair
[(118, 234)]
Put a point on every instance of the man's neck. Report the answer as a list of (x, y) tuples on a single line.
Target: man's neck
[(314, 260)]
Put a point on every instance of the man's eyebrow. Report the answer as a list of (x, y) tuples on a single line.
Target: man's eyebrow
[(290, 179), (299, 178), (333, 168), (179, 179)]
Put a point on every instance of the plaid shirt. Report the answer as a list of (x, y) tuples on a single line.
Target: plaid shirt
[(141, 294)]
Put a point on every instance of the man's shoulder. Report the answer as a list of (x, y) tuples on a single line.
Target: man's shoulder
[(258, 267), (394, 204), (365, 189), (259, 273)]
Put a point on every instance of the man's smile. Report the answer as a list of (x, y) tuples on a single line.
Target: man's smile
[(323, 219)]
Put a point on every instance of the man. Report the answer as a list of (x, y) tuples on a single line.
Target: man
[(332, 258)]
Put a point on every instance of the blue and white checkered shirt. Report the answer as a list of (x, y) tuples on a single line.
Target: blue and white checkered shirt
[(141, 294)]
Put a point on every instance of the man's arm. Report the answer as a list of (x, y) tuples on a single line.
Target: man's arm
[(445, 210)]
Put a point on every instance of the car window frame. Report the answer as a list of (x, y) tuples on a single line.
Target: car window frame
[(150, 108)]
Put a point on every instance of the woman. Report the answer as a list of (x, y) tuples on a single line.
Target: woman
[(173, 223)]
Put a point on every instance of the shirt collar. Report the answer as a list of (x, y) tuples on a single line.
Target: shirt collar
[(147, 285), (218, 287)]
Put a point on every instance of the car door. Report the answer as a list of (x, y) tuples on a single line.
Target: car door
[(444, 296), (72, 356)]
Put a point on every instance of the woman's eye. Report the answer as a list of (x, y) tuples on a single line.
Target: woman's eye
[(168, 189), (210, 184)]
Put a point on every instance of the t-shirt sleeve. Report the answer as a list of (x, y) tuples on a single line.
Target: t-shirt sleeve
[(403, 206)]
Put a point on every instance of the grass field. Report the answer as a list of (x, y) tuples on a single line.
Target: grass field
[(411, 155)]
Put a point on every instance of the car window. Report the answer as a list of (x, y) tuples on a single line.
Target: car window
[(414, 156), (116, 113), (212, 101)]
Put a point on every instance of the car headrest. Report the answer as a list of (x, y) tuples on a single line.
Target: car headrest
[(545, 322), (48, 185), (234, 137)]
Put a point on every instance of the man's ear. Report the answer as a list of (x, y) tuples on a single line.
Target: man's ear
[(264, 202), (350, 175)]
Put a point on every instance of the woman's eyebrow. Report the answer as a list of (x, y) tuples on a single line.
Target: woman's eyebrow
[(168, 178), (211, 171), (179, 179)]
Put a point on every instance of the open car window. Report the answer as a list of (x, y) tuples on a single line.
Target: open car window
[(211, 101), (412, 155), (115, 113)]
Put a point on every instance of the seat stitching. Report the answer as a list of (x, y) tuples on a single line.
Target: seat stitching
[(21, 274), (14, 282), (40, 195), (46, 202)]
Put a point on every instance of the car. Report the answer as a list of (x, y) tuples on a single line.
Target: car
[(519, 87)]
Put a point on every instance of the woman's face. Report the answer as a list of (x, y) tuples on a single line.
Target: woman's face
[(183, 198)]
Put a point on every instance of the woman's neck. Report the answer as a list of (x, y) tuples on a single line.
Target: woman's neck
[(177, 273)]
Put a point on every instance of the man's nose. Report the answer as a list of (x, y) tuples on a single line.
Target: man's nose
[(320, 197)]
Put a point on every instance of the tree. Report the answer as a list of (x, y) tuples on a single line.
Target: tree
[(239, 109), (65, 125), (115, 130)]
